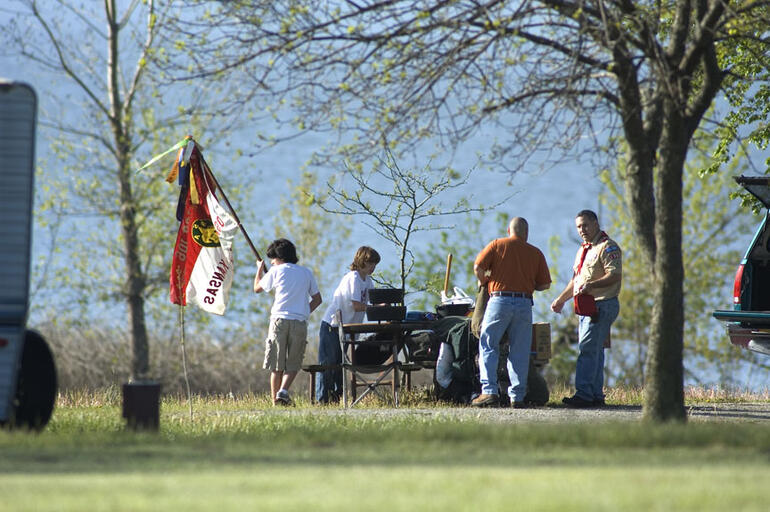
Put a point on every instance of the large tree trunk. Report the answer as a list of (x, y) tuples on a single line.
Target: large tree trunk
[(664, 382), (639, 194), (658, 139)]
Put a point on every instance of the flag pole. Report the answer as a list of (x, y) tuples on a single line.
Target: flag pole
[(227, 201), (180, 144)]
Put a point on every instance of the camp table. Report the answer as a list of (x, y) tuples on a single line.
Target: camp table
[(353, 371)]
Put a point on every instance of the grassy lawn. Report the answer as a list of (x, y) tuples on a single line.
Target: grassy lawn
[(241, 454)]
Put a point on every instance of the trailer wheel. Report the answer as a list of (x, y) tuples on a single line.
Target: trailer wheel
[(37, 386)]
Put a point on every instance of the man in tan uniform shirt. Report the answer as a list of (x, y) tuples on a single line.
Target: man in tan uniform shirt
[(597, 272)]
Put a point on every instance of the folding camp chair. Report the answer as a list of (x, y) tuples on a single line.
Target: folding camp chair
[(369, 376)]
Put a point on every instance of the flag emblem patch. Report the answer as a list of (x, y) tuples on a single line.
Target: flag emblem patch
[(204, 234)]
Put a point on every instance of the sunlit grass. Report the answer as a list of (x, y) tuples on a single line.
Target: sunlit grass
[(418, 397), (254, 414), (719, 395), (241, 453)]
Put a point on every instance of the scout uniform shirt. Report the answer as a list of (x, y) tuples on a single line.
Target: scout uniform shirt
[(595, 259)]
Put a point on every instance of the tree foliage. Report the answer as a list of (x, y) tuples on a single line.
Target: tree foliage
[(463, 241), (317, 235), (320, 239)]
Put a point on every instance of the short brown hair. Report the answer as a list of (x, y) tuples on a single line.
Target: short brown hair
[(365, 255), (588, 214)]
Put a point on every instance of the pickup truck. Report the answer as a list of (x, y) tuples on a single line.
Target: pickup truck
[(28, 383), (748, 323)]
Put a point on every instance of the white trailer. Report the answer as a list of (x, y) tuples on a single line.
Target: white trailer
[(27, 372)]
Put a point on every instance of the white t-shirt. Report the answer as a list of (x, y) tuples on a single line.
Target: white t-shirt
[(351, 288), (293, 285)]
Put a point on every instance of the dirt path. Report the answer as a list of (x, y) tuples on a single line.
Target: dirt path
[(729, 412)]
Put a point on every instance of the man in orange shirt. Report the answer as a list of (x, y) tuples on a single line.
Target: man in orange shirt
[(512, 270)]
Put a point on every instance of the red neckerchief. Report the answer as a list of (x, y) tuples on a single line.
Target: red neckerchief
[(586, 247)]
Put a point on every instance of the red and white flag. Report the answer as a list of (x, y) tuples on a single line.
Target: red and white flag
[(202, 267)]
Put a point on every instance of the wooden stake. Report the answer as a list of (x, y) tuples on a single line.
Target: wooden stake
[(448, 270)]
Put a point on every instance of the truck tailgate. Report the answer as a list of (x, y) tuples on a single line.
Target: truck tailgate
[(748, 329), (758, 318)]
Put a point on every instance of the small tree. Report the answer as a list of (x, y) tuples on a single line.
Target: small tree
[(398, 204)]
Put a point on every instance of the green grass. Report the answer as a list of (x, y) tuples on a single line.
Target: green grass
[(242, 454)]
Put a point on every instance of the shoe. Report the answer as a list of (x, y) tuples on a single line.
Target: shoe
[(282, 398), (484, 400), (599, 402), (576, 402), (519, 405)]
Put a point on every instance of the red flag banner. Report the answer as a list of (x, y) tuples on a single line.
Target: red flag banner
[(202, 267)]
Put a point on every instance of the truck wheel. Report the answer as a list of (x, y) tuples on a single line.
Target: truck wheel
[(37, 386)]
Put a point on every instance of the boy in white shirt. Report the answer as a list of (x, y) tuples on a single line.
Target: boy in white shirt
[(351, 298), (287, 336)]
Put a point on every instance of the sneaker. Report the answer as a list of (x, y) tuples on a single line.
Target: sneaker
[(576, 402), (484, 400), (282, 398)]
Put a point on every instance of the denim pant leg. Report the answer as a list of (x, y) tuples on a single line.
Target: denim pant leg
[(589, 373), (328, 386), (610, 308), (520, 346), (497, 318)]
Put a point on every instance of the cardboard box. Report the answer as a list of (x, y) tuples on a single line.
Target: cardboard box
[(541, 340)]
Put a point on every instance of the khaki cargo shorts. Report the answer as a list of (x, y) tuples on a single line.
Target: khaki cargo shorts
[(285, 345)]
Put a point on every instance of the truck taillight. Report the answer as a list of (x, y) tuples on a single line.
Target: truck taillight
[(737, 286)]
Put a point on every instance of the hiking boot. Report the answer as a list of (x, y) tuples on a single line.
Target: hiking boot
[(484, 400), (576, 402)]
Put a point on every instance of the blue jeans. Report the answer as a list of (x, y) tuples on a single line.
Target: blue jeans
[(514, 316), (589, 373), (328, 387)]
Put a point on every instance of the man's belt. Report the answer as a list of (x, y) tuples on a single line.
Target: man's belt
[(519, 295)]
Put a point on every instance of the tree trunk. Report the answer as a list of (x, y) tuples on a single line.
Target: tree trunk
[(639, 193), (664, 380), (135, 279)]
